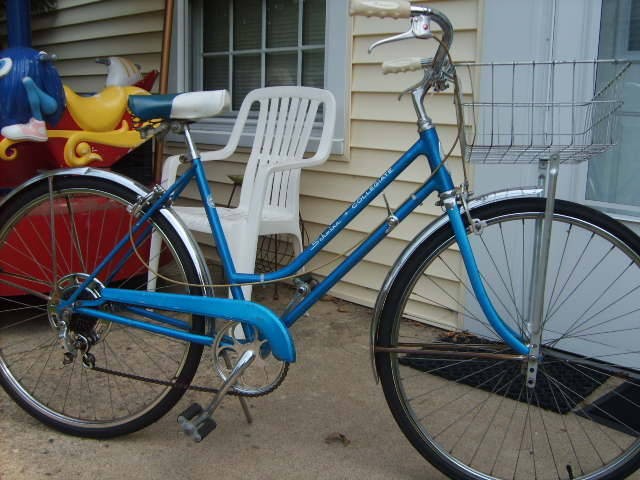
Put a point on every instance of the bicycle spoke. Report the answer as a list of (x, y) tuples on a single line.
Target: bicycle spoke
[(564, 390), (583, 331), (504, 437), (74, 234), (19, 253), (438, 304), (570, 294), (559, 269), (494, 416), (23, 321), (509, 288), (546, 432), (578, 325), (577, 263)]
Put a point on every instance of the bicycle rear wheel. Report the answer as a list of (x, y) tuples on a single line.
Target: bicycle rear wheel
[(51, 236), (456, 389)]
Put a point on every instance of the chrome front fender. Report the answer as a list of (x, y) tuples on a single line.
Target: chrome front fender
[(498, 196), (183, 232)]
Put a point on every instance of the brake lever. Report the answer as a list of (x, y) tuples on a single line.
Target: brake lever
[(420, 28)]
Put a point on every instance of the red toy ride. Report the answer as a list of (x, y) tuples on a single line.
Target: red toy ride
[(45, 125)]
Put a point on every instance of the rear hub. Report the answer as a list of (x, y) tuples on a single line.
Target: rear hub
[(77, 333)]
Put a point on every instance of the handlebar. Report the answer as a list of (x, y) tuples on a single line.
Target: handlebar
[(381, 8), (421, 18), (442, 54), (437, 70), (398, 65)]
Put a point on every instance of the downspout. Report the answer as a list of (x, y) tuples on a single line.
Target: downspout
[(19, 23), (164, 81)]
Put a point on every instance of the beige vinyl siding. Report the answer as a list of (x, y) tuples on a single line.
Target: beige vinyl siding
[(382, 128), (79, 31)]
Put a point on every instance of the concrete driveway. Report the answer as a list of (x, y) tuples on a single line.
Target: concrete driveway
[(328, 420)]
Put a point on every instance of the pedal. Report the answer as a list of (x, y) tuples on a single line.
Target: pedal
[(200, 427), (207, 426), (189, 414), (195, 421)]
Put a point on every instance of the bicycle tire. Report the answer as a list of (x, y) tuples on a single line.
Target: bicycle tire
[(473, 417), (89, 214)]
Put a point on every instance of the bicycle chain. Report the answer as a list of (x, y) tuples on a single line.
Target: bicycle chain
[(184, 386)]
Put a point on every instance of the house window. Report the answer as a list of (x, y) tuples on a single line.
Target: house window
[(634, 27), (611, 177), (247, 44), (241, 45)]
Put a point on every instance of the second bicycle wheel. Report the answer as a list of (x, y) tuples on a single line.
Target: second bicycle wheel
[(52, 235), (458, 392)]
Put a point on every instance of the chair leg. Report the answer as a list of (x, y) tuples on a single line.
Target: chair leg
[(297, 245), (154, 262), (275, 264), (243, 252), (297, 250)]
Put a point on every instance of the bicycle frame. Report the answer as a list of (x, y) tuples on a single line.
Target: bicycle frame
[(427, 145)]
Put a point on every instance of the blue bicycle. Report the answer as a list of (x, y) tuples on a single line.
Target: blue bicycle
[(504, 336)]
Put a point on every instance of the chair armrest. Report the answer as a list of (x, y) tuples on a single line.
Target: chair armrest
[(221, 154), (293, 165), (321, 155), (171, 164), (326, 139), (234, 138)]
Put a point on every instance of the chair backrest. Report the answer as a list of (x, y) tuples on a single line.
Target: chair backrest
[(284, 125)]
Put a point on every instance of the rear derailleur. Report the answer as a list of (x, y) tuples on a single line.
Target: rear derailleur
[(77, 333), (75, 344)]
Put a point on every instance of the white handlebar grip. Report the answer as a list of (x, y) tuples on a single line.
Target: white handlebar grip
[(402, 65), (381, 8)]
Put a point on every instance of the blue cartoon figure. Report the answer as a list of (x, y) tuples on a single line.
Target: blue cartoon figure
[(31, 94), (44, 124)]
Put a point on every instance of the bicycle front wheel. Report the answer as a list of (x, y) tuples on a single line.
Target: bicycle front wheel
[(51, 236), (460, 394)]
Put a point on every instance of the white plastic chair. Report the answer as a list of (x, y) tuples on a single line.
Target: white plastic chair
[(269, 197)]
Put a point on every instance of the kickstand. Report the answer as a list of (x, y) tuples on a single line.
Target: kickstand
[(243, 401), (245, 409)]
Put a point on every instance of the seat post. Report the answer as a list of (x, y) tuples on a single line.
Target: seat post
[(193, 149)]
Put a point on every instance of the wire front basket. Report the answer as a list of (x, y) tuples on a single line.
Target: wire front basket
[(524, 111)]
